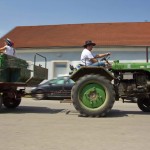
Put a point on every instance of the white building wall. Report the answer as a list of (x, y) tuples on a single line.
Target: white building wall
[(72, 56)]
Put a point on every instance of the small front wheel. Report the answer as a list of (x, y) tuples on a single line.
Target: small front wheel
[(144, 104)]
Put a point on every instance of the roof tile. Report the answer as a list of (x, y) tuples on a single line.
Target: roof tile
[(74, 35)]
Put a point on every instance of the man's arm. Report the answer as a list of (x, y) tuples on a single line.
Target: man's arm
[(2, 49), (93, 60), (102, 55)]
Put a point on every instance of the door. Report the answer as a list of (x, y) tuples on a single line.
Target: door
[(56, 89), (68, 84), (60, 68)]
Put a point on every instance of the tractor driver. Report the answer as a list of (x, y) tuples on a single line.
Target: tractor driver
[(88, 59)]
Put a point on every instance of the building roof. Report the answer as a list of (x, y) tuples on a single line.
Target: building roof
[(74, 35)]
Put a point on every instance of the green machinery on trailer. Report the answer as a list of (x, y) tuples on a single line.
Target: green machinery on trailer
[(97, 88), (15, 73)]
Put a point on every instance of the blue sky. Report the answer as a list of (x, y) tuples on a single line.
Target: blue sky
[(48, 12)]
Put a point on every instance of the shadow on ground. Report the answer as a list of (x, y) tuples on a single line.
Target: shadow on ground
[(113, 113), (31, 109), (125, 113), (46, 110)]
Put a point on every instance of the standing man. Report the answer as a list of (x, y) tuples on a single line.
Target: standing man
[(87, 58)]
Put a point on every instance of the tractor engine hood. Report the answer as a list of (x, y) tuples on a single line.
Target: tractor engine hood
[(130, 66)]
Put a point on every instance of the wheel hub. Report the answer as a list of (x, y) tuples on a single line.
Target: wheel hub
[(93, 95)]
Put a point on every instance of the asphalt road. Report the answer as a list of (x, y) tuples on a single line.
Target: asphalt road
[(44, 125)]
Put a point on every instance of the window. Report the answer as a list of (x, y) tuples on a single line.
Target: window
[(69, 81), (60, 81)]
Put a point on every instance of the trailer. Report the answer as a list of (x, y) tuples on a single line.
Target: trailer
[(15, 73)]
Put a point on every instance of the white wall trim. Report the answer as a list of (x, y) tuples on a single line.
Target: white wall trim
[(56, 50)]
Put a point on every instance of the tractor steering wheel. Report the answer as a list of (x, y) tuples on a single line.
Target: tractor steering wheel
[(105, 58)]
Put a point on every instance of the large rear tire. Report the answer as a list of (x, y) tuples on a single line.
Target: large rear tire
[(144, 104), (93, 95)]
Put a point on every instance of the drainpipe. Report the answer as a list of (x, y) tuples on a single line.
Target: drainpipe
[(146, 53)]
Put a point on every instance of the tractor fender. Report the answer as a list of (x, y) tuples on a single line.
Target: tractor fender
[(91, 70)]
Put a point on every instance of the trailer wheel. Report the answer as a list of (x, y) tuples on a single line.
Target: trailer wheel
[(93, 95), (11, 99), (11, 103), (144, 104), (1, 101)]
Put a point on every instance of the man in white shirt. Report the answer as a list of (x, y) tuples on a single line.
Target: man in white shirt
[(88, 59), (8, 48)]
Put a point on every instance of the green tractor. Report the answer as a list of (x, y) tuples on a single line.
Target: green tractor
[(97, 88)]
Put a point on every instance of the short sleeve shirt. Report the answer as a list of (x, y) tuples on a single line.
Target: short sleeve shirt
[(86, 55), (9, 50)]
